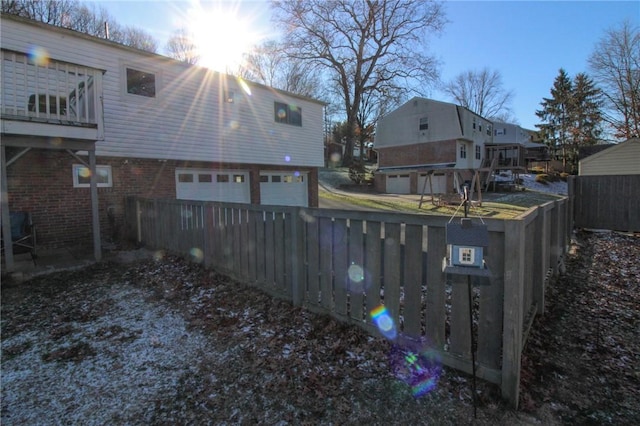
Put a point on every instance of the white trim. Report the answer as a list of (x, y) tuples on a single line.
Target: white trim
[(75, 171)]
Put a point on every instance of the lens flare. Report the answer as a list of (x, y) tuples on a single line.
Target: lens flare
[(356, 273), (419, 367), (84, 172), (158, 255), (196, 254), (384, 322), (38, 56), (287, 158)]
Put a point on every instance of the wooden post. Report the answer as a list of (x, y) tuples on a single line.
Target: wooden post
[(297, 264), (95, 215), (6, 220), (513, 310)]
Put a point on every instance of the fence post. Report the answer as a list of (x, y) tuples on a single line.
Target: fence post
[(207, 246), (514, 237), (297, 250)]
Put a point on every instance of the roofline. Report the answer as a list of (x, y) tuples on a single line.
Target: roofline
[(616, 147), (110, 43)]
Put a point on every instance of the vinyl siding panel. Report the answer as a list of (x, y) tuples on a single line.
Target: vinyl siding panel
[(623, 159), (188, 119)]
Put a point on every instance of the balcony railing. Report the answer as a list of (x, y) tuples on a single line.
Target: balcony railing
[(51, 91)]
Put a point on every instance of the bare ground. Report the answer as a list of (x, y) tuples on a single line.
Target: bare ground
[(167, 342)]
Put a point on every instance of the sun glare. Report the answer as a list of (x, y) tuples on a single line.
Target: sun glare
[(222, 34)]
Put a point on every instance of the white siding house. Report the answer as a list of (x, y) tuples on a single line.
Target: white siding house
[(75, 106), (423, 136)]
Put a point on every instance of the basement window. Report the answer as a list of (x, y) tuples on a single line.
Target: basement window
[(82, 176)]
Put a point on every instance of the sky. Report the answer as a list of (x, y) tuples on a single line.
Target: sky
[(526, 41)]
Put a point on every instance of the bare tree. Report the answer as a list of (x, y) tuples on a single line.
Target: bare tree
[(481, 92), (363, 45), (268, 64), (182, 47), (615, 65), (50, 12), (77, 16)]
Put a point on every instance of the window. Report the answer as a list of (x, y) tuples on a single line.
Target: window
[(488, 130), (238, 178), (463, 151), (287, 114), (141, 83), (205, 178), (466, 255), (185, 177), (275, 178), (82, 176), (222, 178), (264, 178), (477, 152), (474, 123), (424, 123)]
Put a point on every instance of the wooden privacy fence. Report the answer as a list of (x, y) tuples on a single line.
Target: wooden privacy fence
[(346, 263), (606, 202)]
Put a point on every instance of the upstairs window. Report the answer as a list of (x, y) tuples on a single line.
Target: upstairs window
[(477, 152), (463, 151), (287, 114), (141, 83), (424, 123)]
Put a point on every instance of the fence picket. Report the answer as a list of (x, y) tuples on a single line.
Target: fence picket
[(355, 271), (257, 246), (413, 281)]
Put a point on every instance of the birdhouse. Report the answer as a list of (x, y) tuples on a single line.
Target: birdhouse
[(466, 244)]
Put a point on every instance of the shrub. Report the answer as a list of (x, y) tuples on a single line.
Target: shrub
[(542, 178), (564, 176), (357, 173)]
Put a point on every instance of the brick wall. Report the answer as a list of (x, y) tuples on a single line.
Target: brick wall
[(417, 154), (41, 182)]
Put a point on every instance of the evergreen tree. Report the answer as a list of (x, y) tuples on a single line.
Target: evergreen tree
[(556, 117), (571, 117), (586, 128)]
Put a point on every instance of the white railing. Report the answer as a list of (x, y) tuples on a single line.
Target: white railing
[(49, 90)]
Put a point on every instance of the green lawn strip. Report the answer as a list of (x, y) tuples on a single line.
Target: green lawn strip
[(507, 206)]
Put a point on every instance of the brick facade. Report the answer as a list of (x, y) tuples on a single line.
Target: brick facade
[(41, 182), (418, 154)]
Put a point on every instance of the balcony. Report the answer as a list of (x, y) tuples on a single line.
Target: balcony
[(50, 99)]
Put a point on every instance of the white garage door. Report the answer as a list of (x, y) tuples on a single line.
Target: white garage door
[(398, 184), (213, 185), (438, 180), (284, 189)]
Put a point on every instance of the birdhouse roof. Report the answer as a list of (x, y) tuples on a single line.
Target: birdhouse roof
[(465, 235)]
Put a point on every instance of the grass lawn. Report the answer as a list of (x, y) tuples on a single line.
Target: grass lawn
[(494, 205)]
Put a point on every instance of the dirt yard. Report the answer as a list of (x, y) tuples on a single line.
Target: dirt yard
[(166, 342)]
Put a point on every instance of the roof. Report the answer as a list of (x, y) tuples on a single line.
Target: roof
[(157, 56), (618, 159), (468, 235)]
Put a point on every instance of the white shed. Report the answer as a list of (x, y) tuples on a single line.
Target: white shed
[(622, 159)]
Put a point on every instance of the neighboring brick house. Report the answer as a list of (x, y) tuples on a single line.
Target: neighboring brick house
[(86, 122), (427, 137)]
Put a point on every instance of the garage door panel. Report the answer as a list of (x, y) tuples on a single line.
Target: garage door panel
[(398, 184), (284, 189), (206, 185), (439, 182)]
